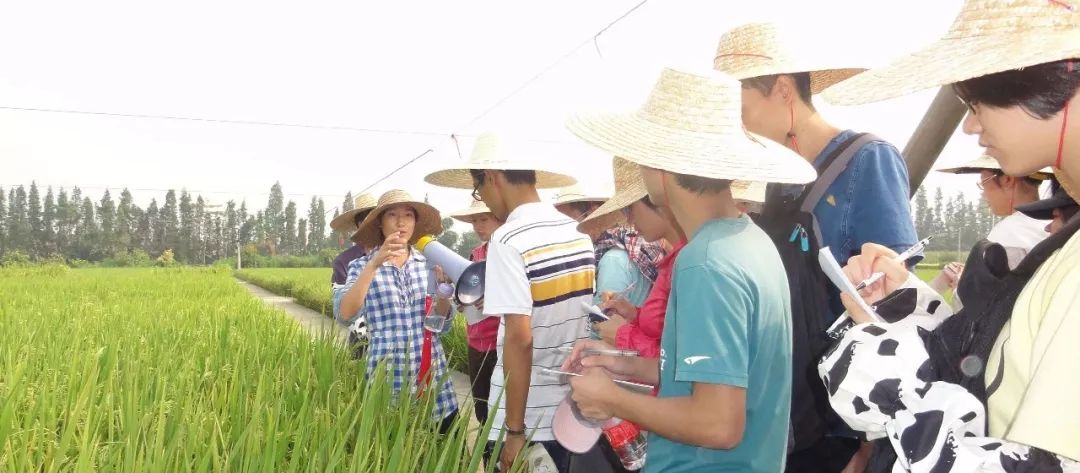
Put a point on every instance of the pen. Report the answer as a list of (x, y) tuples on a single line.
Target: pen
[(602, 351), (900, 258)]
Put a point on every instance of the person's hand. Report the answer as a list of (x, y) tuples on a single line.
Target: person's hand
[(511, 448), (618, 367), (592, 392), (608, 329), (874, 258), (953, 271), (393, 247), (479, 305), (612, 302)]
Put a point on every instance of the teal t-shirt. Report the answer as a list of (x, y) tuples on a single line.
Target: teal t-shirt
[(729, 322), (615, 273)]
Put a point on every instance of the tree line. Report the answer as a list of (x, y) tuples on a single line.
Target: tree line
[(72, 226), (956, 222), (183, 228)]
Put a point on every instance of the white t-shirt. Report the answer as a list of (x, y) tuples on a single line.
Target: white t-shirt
[(1018, 233), (539, 265)]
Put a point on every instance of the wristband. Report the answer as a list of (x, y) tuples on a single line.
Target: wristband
[(513, 433)]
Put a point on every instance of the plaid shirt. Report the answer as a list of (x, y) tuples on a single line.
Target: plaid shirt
[(394, 311)]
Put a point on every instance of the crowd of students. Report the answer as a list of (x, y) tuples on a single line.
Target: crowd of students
[(704, 262)]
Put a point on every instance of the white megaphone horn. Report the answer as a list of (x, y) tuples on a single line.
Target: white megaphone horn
[(468, 276)]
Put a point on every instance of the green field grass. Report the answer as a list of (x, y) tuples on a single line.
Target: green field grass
[(311, 288), (181, 369)]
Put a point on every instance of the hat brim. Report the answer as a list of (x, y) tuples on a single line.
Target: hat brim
[(820, 78), (952, 60), (610, 213), (347, 220), (1044, 209), (461, 178), (570, 432), (733, 154), (428, 222)]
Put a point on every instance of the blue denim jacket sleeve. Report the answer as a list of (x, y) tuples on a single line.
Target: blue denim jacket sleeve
[(868, 203)]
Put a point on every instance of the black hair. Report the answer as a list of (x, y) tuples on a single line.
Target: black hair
[(516, 177), (1041, 90), (359, 217), (765, 84), (648, 203), (701, 185), (584, 207)]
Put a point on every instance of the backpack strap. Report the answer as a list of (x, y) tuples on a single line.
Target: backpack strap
[(835, 164)]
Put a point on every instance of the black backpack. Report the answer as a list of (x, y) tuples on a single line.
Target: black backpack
[(790, 223)]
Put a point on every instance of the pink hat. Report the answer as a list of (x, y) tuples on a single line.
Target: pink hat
[(574, 431)]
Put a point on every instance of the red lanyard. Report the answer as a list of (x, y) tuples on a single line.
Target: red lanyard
[(425, 355)]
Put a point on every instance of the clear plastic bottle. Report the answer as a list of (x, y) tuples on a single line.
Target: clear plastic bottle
[(628, 441)]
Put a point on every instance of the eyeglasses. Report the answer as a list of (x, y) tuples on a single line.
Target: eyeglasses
[(982, 184), (477, 184), (970, 104)]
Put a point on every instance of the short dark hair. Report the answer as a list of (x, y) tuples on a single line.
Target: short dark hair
[(765, 84), (1041, 90), (583, 207), (516, 177), (702, 185), (359, 217), (648, 203)]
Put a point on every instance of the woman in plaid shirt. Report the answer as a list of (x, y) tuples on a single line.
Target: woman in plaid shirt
[(389, 287)]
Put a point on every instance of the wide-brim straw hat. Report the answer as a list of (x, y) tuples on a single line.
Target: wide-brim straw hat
[(692, 124), (988, 163), (989, 36), (428, 221), (575, 193), (477, 207), (492, 152), (765, 49), (362, 204), (630, 188)]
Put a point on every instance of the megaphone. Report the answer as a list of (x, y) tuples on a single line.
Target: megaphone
[(468, 276)]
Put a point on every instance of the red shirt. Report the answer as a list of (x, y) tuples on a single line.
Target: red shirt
[(482, 335), (643, 333)]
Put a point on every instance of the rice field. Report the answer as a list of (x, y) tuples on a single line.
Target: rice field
[(311, 288), (180, 369)]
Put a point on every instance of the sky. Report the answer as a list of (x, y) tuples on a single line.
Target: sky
[(365, 87)]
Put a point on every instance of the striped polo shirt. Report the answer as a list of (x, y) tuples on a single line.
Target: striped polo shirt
[(539, 265)]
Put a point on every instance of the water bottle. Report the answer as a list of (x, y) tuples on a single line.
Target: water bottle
[(628, 442), (434, 322)]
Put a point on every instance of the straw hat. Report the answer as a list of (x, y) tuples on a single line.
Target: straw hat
[(574, 194), (989, 36), (362, 204), (984, 163), (692, 124), (476, 208), (630, 188), (764, 49), (491, 152), (428, 221)]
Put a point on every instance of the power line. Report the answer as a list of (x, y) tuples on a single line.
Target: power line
[(226, 121), (523, 86)]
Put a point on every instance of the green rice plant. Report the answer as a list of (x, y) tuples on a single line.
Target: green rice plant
[(179, 369), (311, 288)]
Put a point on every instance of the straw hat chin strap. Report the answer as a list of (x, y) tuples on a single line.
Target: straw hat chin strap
[(791, 128)]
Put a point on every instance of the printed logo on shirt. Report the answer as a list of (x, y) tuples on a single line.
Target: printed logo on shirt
[(692, 360), (831, 200)]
